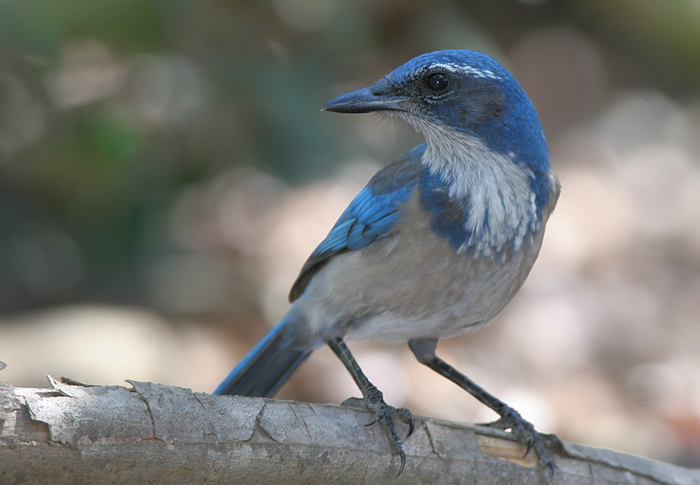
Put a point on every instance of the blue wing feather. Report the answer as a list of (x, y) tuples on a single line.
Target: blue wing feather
[(371, 215), (363, 221)]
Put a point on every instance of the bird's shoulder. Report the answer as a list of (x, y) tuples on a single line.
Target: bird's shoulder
[(371, 215)]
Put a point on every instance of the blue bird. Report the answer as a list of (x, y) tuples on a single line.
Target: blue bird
[(435, 245)]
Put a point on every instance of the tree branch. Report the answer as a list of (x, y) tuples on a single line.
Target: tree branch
[(74, 434)]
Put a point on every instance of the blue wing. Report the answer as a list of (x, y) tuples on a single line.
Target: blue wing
[(371, 215)]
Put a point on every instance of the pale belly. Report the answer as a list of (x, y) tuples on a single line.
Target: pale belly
[(413, 286)]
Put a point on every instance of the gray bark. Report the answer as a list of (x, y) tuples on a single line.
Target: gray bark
[(73, 434)]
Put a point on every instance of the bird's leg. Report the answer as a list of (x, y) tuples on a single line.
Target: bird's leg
[(374, 399), (424, 350)]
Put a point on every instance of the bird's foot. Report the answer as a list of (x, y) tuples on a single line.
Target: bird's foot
[(528, 435), (383, 413)]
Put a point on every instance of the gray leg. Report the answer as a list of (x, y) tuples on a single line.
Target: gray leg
[(424, 350), (374, 399)]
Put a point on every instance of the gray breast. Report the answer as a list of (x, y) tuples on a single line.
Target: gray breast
[(415, 285)]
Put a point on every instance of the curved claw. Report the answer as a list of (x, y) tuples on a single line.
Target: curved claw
[(405, 415), (411, 427), (387, 411), (497, 424), (550, 468), (384, 412), (528, 435), (402, 455), (374, 420), (529, 444)]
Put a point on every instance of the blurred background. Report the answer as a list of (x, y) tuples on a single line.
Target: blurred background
[(165, 170)]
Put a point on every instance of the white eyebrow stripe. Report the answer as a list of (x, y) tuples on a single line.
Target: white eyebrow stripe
[(481, 73)]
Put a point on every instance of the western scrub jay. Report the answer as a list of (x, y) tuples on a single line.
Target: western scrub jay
[(435, 245)]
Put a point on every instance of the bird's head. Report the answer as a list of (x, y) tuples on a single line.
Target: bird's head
[(457, 92)]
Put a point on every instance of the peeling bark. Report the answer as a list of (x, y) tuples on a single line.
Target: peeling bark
[(73, 434)]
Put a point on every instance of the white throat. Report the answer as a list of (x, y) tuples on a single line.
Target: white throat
[(502, 208)]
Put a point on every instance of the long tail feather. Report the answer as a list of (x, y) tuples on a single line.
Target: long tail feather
[(270, 363)]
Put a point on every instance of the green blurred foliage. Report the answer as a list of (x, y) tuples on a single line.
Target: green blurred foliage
[(40, 26), (668, 28)]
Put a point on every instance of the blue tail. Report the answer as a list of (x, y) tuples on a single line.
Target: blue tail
[(270, 363)]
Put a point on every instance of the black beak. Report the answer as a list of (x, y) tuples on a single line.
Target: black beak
[(380, 96)]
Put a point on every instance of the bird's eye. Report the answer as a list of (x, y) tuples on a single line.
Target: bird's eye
[(437, 82)]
